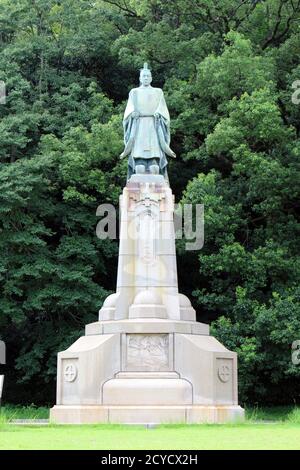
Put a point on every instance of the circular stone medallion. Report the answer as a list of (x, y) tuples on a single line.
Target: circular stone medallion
[(224, 373), (70, 372)]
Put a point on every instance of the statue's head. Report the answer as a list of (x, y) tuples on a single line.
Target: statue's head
[(145, 75)]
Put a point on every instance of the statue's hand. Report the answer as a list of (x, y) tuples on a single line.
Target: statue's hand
[(173, 154), (122, 155)]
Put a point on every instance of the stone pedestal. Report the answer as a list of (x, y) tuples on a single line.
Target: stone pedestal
[(147, 360)]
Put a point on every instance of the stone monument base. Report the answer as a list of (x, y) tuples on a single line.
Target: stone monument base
[(146, 414), (146, 371), (147, 360)]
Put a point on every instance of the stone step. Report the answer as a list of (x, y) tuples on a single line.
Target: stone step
[(147, 375), (146, 415), (141, 391)]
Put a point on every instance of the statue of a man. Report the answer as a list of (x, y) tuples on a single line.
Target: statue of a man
[(147, 129)]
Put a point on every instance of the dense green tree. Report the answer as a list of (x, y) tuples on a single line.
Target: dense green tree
[(228, 69)]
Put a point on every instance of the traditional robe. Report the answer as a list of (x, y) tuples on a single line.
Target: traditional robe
[(147, 137)]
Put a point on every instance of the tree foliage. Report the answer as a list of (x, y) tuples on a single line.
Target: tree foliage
[(228, 69)]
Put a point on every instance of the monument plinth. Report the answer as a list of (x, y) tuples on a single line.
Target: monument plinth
[(147, 359)]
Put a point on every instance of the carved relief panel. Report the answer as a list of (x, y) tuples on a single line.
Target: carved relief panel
[(147, 352)]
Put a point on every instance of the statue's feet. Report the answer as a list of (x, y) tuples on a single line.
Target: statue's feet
[(140, 169), (154, 169)]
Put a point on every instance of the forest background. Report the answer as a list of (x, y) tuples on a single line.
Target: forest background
[(229, 70)]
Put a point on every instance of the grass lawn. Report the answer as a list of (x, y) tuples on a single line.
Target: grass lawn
[(282, 433)]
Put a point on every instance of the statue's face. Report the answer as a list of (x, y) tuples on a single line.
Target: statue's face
[(145, 77)]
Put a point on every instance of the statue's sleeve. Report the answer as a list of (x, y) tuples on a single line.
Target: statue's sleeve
[(129, 125), (162, 107), (130, 106), (163, 126), (128, 121)]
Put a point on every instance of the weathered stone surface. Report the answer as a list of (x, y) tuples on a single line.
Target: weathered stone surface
[(146, 414), (148, 325), (141, 391), (209, 366), (85, 366)]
